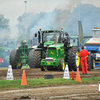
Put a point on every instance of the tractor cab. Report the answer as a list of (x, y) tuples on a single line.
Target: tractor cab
[(74, 40), (51, 37), (48, 38)]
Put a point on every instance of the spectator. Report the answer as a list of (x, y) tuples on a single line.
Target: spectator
[(84, 54)]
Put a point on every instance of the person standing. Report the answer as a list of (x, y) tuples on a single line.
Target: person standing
[(84, 54)]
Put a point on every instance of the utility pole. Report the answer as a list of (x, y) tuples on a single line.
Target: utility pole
[(25, 15), (25, 5), (79, 10)]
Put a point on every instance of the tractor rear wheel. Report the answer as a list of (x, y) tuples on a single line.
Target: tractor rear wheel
[(31, 59), (62, 65), (73, 59), (14, 60), (37, 59)]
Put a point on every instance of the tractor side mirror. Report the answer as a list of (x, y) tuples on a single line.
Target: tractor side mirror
[(35, 35)]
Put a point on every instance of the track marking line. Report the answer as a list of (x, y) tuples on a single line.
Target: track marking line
[(21, 90)]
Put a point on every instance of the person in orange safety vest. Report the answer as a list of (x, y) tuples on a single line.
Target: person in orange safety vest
[(84, 54)]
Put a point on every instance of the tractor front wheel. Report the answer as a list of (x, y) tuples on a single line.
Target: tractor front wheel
[(37, 59), (42, 68), (31, 59), (73, 59), (34, 59), (62, 65)]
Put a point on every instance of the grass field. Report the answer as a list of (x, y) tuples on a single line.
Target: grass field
[(33, 83)]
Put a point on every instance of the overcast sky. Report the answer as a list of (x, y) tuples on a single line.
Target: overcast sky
[(12, 9)]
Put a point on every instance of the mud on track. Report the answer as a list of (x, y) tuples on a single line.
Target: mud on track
[(75, 92), (37, 73)]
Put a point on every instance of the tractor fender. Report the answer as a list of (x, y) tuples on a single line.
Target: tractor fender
[(38, 49)]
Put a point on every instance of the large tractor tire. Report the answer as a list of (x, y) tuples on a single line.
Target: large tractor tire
[(34, 59), (14, 60), (31, 59), (73, 59), (37, 59)]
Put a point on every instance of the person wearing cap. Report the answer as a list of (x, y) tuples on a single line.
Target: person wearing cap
[(84, 54)]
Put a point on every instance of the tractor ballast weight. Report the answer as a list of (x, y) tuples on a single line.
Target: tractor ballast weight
[(55, 54)]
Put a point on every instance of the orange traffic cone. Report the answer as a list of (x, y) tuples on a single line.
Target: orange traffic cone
[(23, 81), (78, 76)]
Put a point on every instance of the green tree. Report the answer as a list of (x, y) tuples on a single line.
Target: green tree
[(4, 23), (4, 28)]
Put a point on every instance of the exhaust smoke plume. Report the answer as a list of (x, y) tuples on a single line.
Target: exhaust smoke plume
[(68, 19)]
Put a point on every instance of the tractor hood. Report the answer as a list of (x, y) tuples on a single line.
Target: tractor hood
[(93, 42), (59, 45), (56, 51), (49, 43)]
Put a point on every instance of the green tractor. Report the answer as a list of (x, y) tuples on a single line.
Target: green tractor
[(25, 56), (54, 51), (20, 58)]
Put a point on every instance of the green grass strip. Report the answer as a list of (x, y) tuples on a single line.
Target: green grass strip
[(33, 83)]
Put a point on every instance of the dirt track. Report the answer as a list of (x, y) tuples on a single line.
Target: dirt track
[(37, 73), (77, 92)]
